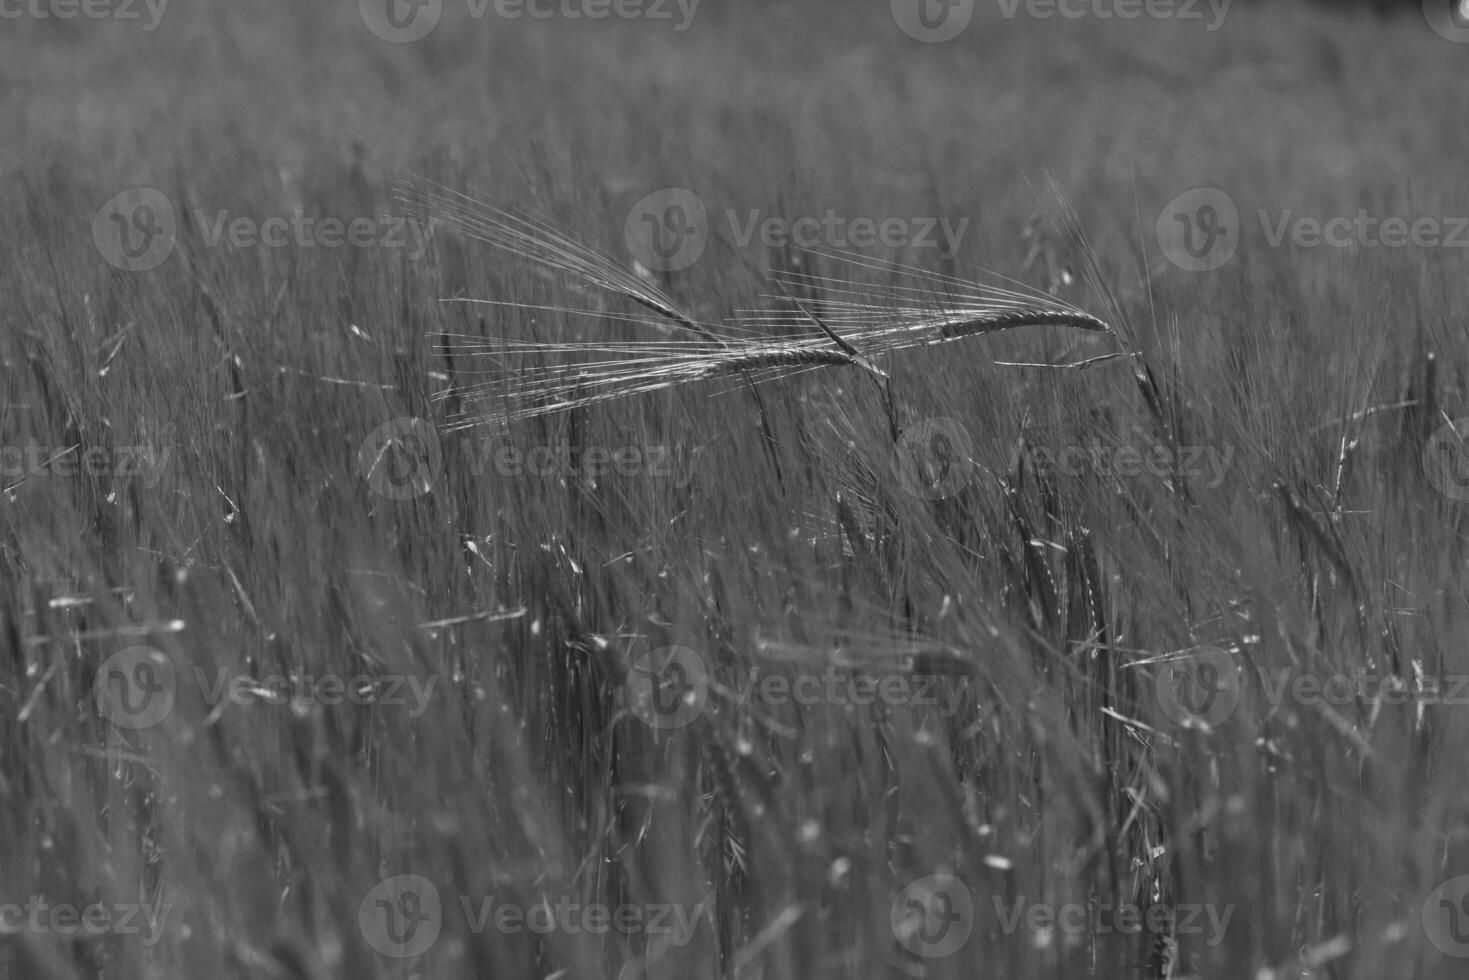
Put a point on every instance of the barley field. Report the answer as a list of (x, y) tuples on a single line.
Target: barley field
[(680, 490)]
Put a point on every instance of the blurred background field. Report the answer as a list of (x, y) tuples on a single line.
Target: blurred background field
[(256, 546)]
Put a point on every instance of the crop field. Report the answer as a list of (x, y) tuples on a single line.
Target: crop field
[(651, 488)]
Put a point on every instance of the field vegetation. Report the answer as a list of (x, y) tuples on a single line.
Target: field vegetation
[(847, 664)]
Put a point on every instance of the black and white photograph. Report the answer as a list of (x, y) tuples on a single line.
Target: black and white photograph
[(734, 489)]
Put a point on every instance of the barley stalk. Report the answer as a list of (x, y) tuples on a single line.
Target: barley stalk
[(854, 320), (537, 239)]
